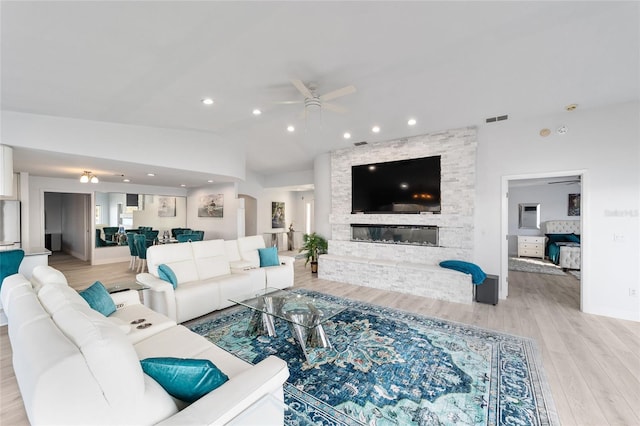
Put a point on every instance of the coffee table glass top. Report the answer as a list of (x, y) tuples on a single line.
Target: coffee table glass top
[(304, 310)]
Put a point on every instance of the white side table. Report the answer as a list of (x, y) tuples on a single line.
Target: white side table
[(529, 246)]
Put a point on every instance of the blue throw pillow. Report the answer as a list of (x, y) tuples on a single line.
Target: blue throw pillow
[(477, 275), (99, 299), (573, 238), (184, 378), (558, 238), (167, 274), (268, 256)]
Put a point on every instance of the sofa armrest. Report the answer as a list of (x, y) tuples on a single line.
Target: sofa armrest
[(161, 297), (287, 260), (125, 298), (239, 393)]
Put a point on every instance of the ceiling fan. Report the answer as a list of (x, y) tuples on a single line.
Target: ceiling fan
[(314, 101), (566, 182)]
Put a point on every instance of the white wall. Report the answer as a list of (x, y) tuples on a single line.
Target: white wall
[(553, 200), (603, 143), (144, 145)]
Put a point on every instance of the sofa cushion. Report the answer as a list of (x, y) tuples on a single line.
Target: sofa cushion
[(43, 275), (211, 258), (231, 248), (179, 257), (184, 378), (107, 352), (98, 298), (56, 297), (248, 247), (14, 284), (166, 273), (268, 256)]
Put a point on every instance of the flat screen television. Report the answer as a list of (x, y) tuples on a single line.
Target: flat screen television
[(405, 186)]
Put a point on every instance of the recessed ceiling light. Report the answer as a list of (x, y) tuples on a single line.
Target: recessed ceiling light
[(182, 185), (372, 167), (210, 181), (375, 129), (257, 112), (290, 128), (126, 180), (404, 185), (571, 107), (347, 135), (207, 101), (562, 130), (412, 122), (151, 174)]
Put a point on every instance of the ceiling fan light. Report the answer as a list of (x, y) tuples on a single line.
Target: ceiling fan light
[(94, 179), (84, 178)]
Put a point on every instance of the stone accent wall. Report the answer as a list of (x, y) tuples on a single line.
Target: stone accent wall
[(366, 263), (457, 149)]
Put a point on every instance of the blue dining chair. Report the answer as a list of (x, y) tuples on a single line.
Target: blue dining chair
[(10, 261), (140, 241), (133, 250)]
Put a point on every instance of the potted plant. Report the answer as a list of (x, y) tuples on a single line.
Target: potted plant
[(314, 245)]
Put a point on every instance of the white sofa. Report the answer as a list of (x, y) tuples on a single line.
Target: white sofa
[(74, 366), (209, 273)]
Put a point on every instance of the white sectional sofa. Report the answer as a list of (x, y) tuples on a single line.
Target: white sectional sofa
[(208, 274), (74, 366)]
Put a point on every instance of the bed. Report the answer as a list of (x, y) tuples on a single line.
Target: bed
[(563, 243)]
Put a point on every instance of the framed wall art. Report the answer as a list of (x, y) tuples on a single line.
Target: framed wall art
[(574, 205), (277, 214), (211, 205)]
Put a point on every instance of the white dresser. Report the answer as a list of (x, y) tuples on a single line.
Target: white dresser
[(531, 246)]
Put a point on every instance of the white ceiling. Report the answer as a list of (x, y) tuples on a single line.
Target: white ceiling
[(446, 64)]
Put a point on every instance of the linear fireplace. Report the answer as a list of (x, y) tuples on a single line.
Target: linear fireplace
[(418, 235)]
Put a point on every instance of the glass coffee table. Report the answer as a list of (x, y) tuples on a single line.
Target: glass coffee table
[(304, 315)]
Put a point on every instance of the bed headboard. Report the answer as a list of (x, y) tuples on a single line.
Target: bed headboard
[(562, 227)]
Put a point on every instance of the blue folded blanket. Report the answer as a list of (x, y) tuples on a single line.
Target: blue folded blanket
[(477, 275)]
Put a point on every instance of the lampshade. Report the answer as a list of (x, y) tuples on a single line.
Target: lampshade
[(88, 177)]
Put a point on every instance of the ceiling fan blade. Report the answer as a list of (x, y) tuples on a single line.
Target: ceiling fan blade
[(334, 107), (302, 88), (287, 102), (338, 93), (565, 181)]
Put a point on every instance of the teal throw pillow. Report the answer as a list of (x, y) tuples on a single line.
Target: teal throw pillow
[(99, 299), (573, 238), (268, 256), (165, 273), (184, 378), (477, 275)]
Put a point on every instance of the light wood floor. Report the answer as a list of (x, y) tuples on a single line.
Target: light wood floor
[(592, 363)]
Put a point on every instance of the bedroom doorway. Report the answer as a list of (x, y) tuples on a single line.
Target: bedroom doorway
[(549, 197)]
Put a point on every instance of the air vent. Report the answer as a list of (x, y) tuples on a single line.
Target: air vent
[(360, 143), (498, 118)]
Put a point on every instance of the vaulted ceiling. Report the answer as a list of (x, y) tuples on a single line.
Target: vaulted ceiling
[(445, 64)]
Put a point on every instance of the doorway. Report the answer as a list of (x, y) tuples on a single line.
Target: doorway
[(67, 223), (250, 214), (552, 192)]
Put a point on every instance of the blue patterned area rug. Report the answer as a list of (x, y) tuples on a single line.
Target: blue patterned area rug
[(390, 367)]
